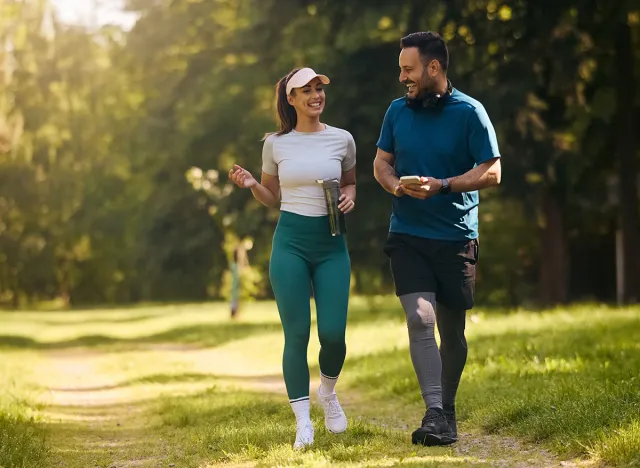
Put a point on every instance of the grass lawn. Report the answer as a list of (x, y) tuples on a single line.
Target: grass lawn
[(183, 386), (22, 440)]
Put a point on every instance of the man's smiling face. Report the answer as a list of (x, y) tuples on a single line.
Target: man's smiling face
[(413, 73)]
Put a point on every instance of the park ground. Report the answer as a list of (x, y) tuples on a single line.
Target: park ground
[(183, 386)]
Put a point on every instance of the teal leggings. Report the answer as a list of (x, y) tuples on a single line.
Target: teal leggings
[(305, 255)]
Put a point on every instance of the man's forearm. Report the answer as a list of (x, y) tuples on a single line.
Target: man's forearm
[(385, 174), (480, 177), (264, 195)]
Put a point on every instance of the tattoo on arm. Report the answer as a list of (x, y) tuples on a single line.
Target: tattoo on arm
[(389, 170)]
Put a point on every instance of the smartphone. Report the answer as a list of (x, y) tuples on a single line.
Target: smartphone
[(410, 180)]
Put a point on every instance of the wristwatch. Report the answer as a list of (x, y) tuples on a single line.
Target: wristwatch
[(446, 188)]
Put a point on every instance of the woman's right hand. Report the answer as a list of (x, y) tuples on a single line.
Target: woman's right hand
[(241, 177)]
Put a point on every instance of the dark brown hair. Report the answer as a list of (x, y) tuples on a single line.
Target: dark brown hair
[(286, 113), (430, 45)]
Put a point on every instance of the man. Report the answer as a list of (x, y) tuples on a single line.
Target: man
[(445, 138)]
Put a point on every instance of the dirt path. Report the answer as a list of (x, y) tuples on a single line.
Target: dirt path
[(102, 423), (95, 423)]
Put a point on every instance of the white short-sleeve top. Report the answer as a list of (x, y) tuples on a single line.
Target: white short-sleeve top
[(299, 159)]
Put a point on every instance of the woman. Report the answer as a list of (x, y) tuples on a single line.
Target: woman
[(304, 253)]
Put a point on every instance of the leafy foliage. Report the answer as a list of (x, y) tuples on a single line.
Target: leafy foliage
[(101, 130)]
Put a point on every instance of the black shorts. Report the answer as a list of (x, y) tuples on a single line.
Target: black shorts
[(446, 268)]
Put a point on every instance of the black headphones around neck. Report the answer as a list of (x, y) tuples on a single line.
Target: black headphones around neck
[(429, 100)]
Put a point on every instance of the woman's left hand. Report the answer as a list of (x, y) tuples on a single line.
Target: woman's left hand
[(346, 203)]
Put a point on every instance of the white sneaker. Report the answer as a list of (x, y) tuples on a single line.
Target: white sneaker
[(334, 418), (304, 436)]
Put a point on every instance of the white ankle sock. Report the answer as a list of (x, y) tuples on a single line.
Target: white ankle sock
[(301, 408), (327, 384)]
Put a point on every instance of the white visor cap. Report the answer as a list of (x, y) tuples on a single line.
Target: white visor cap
[(303, 77)]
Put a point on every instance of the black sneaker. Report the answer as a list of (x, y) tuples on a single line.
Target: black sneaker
[(450, 415), (434, 431)]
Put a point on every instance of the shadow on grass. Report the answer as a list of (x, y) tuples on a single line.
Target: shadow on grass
[(194, 336), (98, 321), (187, 377), (149, 379), (124, 409), (191, 336)]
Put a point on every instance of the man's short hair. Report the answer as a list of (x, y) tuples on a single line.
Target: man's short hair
[(430, 45)]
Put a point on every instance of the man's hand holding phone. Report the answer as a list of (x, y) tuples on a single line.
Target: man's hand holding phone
[(419, 187), (410, 180)]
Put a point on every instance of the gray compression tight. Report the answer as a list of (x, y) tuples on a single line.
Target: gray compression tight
[(438, 371)]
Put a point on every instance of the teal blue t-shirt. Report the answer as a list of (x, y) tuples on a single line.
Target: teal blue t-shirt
[(443, 142)]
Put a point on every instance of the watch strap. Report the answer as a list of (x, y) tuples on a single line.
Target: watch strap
[(446, 187)]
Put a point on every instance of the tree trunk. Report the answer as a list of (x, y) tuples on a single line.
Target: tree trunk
[(626, 149), (554, 265)]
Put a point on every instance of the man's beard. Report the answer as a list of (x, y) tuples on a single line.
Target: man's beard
[(425, 86)]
